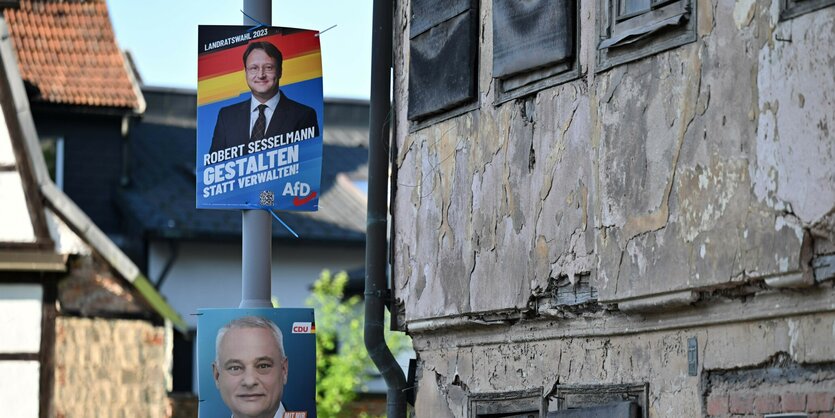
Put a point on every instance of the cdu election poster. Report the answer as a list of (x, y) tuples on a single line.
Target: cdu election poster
[(256, 362), (259, 118)]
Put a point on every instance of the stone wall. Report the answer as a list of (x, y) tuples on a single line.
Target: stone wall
[(110, 368)]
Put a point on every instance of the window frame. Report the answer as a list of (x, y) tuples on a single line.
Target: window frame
[(55, 165), (600, 394), (790, 9), (667, 24), (417, 29), (519, 401), (537, 79)]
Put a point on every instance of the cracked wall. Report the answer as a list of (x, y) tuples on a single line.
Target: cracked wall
[(688, 189), (449, 367), (706, 165)]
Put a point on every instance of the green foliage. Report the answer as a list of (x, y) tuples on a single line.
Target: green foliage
[(342, 363)]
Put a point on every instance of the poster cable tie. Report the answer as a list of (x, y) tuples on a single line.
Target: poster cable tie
[(260, 24), (320, 33), (282, 223)]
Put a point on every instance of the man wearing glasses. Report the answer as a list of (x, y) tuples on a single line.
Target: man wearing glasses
[(268, 118)]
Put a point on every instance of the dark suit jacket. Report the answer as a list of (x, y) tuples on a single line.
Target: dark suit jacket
[(232, 127)]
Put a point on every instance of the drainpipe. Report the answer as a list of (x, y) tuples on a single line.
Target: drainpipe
[(377, 292)]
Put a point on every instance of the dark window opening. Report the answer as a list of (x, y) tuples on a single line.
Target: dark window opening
[(633, 29), (612, 410), (615, 401), (443, 49), (793, 8), (183, 364), (518, 404), (534, 45), (52, 149)]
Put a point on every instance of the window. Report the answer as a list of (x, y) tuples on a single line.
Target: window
[(565, 401), (53, 153), (633, 29), (521, 404), (183, 372), (534, 45), (443, 46), (611, 410), (615, 401), (794, 8)]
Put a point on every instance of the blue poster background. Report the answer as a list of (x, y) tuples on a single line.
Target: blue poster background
[(300, 349), (307, 173)]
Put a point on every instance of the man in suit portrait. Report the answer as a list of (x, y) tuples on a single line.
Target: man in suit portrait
[(268, 112), (250, 368)]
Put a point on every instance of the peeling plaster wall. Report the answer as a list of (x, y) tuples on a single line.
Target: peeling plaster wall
[(703, 166), (695, 175), (449, 368)]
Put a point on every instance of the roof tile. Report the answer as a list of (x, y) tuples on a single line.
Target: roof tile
[(67, 50)]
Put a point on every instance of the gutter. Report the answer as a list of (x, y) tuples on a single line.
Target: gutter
[(377, 292)]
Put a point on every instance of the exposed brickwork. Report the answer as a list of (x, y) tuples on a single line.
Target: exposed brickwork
[(767, 403), (750, 403), (110, 366), (793, 402), (740, 402), (92, 290), (717, 404), (819, 401), (777, 386)]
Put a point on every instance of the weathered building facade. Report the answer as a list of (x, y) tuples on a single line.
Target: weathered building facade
[(616, 201)]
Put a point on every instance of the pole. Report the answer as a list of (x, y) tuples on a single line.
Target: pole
[(257, 225)]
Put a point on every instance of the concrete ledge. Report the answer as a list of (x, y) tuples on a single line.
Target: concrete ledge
[(666, 302), (824, 267)]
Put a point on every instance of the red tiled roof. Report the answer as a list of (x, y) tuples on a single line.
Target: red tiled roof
[(67, 49)]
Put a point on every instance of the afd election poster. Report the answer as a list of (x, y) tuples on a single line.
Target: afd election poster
[(259, 118), (256, 362)]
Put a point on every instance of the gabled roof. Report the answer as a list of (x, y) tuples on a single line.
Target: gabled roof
[(51, 225), (161, 195), (68, 54)]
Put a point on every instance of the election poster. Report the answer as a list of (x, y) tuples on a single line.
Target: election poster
[(256, 362), (259, 118)]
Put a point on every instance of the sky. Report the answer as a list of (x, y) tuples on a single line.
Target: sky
[(161, 36)]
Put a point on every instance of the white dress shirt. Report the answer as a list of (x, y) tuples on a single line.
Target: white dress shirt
[(268, 112)]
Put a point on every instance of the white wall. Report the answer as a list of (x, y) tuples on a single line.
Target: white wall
[(19, 388), (20, 333), (15, 223), (20, 318), (208, 275)]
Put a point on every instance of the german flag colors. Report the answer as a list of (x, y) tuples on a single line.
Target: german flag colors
[(221, 75)]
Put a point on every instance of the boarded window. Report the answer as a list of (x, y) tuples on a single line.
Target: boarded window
[(534, 42), (518, 404), (794, 8), (443, 45), (612, 410), (634, 29), (616, 401)]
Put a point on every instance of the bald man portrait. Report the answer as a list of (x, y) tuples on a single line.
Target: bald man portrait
[(250, 368)]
